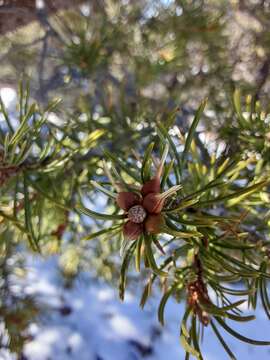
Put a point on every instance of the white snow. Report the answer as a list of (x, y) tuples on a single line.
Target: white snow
[(98, 326)]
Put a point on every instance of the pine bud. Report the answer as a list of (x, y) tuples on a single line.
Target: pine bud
[(154, 224), (126, 200), (154, 203), (151, 186), (132, 230)]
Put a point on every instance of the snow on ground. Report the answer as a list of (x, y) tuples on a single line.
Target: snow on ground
[(89, 322)]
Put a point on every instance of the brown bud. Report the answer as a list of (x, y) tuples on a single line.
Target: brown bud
[(151, 186), (132, 231), (126, 200), (153, 203), (154, 223)]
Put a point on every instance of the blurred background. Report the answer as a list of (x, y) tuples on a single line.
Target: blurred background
[(119, 66)]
